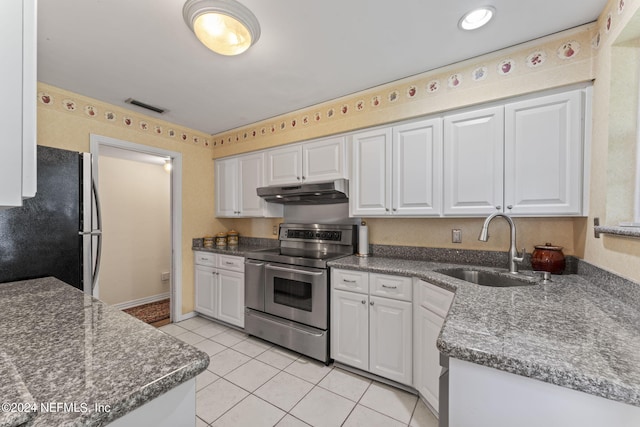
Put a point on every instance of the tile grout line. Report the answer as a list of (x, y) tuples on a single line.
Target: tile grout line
[(279, 371)]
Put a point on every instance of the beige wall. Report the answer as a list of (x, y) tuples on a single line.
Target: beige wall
[(615, 253), (591, 46), (136, 229), (69, 128)]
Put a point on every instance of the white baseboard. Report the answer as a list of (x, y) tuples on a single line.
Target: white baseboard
[(141, 301), (185, 316)]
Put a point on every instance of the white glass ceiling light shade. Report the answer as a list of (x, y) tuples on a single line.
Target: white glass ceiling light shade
[(477, 18), (224, 26)]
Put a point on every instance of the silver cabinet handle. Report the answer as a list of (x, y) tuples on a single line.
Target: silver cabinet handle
[(509, 207), (304, 177), (229, 263), (298, 178), (498, 207), (389, 287), (371, 303), (364, 301), (348, 281)]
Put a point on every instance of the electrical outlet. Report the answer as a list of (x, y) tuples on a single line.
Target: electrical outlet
[(275, 230), (456, 236), (165, 276)]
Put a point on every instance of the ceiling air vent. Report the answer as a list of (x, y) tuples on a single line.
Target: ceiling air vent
[(143, 105)]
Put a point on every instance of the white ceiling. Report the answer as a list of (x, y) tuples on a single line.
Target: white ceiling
[(308, 52)]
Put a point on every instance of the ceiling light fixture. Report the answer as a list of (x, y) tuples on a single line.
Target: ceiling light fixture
[(477, 18), (224, 26)]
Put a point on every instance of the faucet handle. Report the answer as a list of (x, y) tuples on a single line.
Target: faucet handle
[(520, 257)]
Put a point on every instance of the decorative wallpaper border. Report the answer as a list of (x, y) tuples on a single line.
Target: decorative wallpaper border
[(92, 109), (551, 53)]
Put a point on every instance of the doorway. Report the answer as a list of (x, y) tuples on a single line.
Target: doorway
[(142, 261)]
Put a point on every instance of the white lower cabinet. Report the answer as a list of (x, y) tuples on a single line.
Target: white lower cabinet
[(219, 287), (483, 396), (371, 332), (431, 304)]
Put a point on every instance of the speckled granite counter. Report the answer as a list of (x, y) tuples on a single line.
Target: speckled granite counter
[(572, 332), (70, 348), (12, 390), (247, 244)]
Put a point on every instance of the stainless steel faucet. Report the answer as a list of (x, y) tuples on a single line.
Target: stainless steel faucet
[(514, 259)]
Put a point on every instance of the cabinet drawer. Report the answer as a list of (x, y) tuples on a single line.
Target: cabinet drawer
[(205, 258), (396, 287), (350, 280), (230, 262), (434, 298)]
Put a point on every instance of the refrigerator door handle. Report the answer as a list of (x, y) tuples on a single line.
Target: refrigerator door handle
[(96, 232)]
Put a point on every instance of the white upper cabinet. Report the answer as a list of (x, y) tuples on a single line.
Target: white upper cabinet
[(417, 168), (226, 187), (237, 179), (251, 172), (315, 161), (18, 87), (397, 170), (544, 155), (284, 165), (370, 186), (525, 157), (473, 162)]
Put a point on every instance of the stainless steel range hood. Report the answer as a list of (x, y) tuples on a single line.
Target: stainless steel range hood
[(318, 193)]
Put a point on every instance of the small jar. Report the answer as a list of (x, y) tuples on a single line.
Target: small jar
[(208, 241), (233, 238), (548, 258), (221, 239)]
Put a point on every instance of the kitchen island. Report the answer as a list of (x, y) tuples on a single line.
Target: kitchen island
[(71, 360), (580, 332)]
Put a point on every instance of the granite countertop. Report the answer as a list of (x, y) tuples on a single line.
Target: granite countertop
[(246, 244), (573, 332), (66, 347)]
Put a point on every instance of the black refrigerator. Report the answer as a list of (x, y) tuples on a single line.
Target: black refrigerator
[(57, 232)]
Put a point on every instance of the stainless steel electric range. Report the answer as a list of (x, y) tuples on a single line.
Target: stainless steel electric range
[(287, 288)]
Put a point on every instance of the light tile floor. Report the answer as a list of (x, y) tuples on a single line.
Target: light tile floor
[(250, 382)]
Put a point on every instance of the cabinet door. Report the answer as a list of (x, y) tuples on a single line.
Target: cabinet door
[(324, 160), (250, 169), (230, 298), (417, 170), (11, 110), (390, 339), (426, 357), (370, 192), (284, 165), (473, 162), (205, 283), (543, 155), (226, 187), (350, 328)]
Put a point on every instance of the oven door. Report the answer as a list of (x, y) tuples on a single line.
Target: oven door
[(297, 293)]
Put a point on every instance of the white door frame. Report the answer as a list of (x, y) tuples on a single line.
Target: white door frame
[(97, 141)]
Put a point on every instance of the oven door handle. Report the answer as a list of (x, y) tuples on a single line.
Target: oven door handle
[(287, 324), (294, 270)]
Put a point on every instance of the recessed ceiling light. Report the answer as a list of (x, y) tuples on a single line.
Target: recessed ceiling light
[(476, 18)]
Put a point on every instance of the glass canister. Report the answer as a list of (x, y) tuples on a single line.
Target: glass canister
[(221, 239), (233, 238), (549, 258)]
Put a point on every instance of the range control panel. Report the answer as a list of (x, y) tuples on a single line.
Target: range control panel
[(314, 235)]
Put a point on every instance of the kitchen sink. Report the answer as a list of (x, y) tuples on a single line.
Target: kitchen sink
[(487, 278)]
